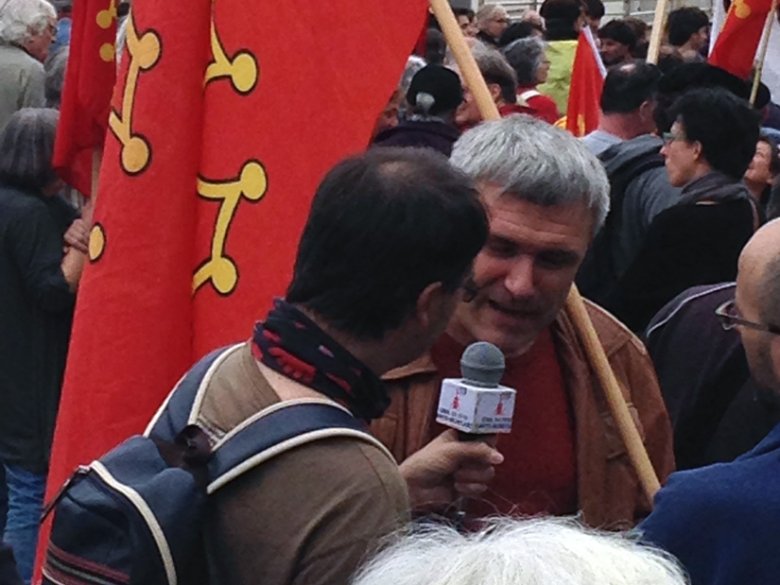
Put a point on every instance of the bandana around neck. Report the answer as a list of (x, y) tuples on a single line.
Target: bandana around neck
[(293, 345)]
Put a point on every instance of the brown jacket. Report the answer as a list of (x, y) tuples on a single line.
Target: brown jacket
[(608, 491), (308, 516)]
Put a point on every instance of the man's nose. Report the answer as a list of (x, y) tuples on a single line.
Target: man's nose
[(519, 280)]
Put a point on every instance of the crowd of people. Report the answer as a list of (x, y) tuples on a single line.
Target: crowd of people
[(446, 231)]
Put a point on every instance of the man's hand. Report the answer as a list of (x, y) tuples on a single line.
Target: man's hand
[(447, 468), (77, 235)]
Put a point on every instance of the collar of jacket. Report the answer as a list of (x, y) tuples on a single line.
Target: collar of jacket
[(562, 324)]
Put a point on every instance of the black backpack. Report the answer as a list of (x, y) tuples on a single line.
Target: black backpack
[(134, 516), (597, 276)]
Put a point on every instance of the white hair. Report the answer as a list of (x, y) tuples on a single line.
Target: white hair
[(534, 161), (488, 11), (21, 18), (539, 551)]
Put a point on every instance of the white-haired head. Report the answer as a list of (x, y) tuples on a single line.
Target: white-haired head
[(552, 551), (489, 11), (534, 161), (21, 19)]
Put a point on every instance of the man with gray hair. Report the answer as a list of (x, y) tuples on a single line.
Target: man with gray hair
[(27, 29), (546, 196), (539, 551)]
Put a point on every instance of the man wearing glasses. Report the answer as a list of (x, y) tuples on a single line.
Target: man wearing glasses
[(721, 520)]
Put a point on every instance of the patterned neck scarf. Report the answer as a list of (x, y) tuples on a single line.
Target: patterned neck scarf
[(293, 345)]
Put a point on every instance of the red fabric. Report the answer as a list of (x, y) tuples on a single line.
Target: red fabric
[(543, 106), (509, 109), (86, 94), (538, 475), (140, 321), (583, 110), (735, 48)]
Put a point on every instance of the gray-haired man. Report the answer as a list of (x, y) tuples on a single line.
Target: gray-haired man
[(546, 195)]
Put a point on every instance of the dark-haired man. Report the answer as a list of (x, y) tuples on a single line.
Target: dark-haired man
[(389, 239), (688, 29), (640, 188), (618, 42), (721, 521)]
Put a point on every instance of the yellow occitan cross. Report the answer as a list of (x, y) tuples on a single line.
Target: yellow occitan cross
[(241, 69), (105, 18), (144, 54), (251, 185), (741, 9)]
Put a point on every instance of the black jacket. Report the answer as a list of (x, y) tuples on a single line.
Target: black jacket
[(35, 313)]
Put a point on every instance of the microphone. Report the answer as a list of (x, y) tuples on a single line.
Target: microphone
[(476, 404)]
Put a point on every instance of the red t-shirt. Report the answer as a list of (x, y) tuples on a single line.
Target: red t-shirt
[(539, 474)]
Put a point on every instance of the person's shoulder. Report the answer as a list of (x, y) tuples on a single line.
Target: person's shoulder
[(613, 334), (19, 206)]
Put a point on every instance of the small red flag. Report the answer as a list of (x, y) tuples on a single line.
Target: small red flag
[(735, 48), (86, 95), (587, 79), (225, 118)]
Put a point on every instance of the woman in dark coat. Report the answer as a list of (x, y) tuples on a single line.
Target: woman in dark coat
[(37, 284), (698, 240)]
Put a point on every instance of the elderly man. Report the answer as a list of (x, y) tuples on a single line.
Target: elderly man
[(721, 521), (546, 195), (27, 29), (492, 20), (520, 552)]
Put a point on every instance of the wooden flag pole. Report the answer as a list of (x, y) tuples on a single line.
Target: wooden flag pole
[(659, 20), (762, 52), (574, 303), (465, 60)]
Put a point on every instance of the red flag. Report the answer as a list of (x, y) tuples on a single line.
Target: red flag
[(735, 48), (587, 79), (225, 117), (87, 91)]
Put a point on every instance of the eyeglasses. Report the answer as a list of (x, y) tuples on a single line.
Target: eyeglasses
[(501, 20), (671, 137), (729, 318)]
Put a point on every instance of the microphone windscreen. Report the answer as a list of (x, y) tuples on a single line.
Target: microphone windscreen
[(482, 364)]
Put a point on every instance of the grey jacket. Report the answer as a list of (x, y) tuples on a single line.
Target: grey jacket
[(21, 82)]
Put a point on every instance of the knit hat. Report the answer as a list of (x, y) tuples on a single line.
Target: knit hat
[(435, 89)]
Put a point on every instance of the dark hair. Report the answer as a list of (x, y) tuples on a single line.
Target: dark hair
[(560, 17), (435, 46), (773, 202), (774, 161), (383, 226), (689, 76), (518, 30), (594, 8), (628, 86), (27, 147), (725, 126), (684, 22), (619, 31), (467, 12)]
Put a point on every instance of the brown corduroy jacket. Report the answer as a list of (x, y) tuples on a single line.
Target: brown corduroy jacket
[(609, 494)]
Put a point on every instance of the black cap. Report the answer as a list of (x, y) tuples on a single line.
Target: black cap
[(440, 83)]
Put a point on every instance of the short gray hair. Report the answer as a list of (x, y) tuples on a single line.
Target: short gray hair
[(495, 69), (540, 551), (20, 18), (55, 66), (525, 56), (534, 161), (27, 147), (488, 11)]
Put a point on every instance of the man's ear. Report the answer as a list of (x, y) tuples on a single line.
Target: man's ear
[(429, 304), (495, 91)]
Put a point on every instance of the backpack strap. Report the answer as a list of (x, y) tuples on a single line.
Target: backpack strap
[(527, 95), (277, 429), (182, 405)]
